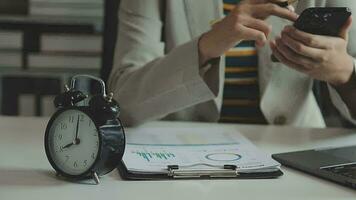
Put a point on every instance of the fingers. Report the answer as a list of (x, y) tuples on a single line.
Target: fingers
[(292, 55), (301, 48), (284, 60), (256, 35), (258, 24), (291, 8), (316, 41), (344, 33), (263, 11)]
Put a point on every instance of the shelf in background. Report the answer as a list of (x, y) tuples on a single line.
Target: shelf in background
[(52, 72), (59, 34), (50, 24)]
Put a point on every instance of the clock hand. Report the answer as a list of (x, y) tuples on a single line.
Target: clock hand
[(68, 145), (77, 140)]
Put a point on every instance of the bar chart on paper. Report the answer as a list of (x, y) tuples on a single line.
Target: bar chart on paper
[(152, 156)]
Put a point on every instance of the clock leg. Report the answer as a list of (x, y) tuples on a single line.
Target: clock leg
[(96, 178)]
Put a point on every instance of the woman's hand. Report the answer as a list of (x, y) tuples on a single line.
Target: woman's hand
[(245, 22), (321, 57)]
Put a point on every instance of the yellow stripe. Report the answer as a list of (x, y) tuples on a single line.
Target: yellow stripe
[(228, 7), (240, 102), (252, 81), (241, 53), (240, 69)]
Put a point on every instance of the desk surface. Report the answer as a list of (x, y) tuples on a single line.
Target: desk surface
[(26, 174)]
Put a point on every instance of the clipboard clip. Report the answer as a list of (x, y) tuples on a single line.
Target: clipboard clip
[(184, 172)]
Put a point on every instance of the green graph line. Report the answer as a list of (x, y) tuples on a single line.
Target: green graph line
[(149, 156)]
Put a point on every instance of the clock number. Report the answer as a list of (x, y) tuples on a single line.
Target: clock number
[(93, 155), (60, 136), (75, 164), (85, 163), (71, 119), (63, 126), (61, 149), (67, 158)]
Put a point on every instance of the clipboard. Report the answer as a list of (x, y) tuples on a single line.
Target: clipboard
[(193, 153), (176, 173)]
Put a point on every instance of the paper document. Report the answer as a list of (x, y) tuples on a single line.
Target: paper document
[(151, 150)]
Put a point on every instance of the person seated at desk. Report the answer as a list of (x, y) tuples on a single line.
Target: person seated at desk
[(171, 63)]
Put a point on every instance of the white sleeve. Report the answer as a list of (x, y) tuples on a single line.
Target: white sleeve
[(148, 83)]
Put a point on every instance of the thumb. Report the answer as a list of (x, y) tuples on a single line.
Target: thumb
[(344, 33)]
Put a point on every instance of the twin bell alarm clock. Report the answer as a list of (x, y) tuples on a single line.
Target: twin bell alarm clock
[(84, 140)]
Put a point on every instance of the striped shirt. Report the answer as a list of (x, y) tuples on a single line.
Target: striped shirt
[(241, 96)]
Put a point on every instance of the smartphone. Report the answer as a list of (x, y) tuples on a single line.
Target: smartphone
[(326, 21), (323, 21)]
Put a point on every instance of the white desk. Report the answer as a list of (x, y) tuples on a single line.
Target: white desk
[(26, 174)]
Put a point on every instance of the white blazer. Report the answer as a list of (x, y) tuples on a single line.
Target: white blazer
[(161, 79)]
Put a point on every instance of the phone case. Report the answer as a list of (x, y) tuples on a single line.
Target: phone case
[(323, 21)]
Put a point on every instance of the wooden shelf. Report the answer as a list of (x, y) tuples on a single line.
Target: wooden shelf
[(49, 72)]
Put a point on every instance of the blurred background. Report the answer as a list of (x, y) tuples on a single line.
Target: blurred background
[(43, 43)]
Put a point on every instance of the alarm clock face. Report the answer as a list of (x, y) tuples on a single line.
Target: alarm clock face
[(73, 142)]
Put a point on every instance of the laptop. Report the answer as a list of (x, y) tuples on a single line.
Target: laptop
[(334, 164)]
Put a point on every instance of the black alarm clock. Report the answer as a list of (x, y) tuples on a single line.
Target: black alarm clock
[(84, 141)]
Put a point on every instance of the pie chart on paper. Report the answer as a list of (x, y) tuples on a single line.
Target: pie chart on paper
[(225, 157)]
